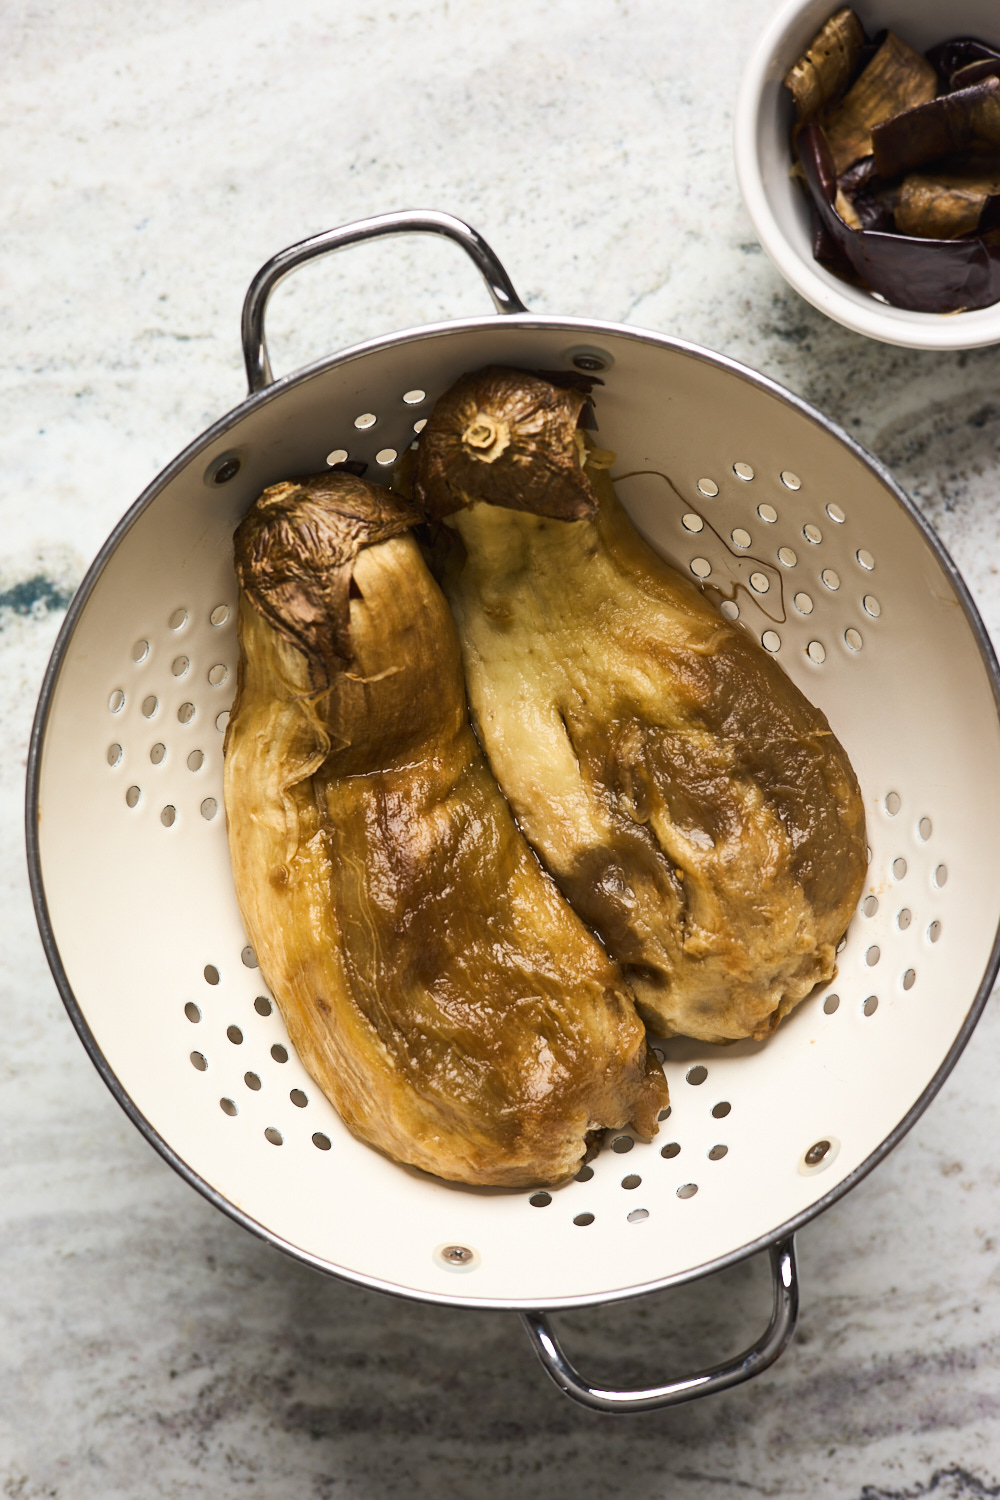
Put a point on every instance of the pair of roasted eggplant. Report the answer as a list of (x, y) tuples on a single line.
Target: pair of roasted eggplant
[(466, 930), (901, 154)]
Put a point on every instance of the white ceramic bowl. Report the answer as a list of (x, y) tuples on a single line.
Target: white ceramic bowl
[(778, 206)]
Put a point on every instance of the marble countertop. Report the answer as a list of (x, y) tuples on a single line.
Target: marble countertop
[(155, 157)]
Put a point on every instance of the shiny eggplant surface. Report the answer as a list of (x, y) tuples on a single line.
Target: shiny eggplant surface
[(435, 983), (695, 809)]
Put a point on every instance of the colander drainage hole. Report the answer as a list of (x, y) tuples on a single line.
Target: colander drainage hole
[(298, 1098), (730, 609), (767, 513), (696, 1074), (367, 419), (185, 713), (414, 398), (218, 674), (790, 481), (718, 1152), (140, 651), (220, 614), (870, 905), (893, 803), (671, 1149), (743, 471), (934, 931), (664, 1113), (229, 1106), (279, 1053), (853, 638), (157, 753), (904, 919), (321, 1141), (252, 1081), (338, 456), (836, 514), (865, 559), (211, 974), (741, 537), (132, 796), (899, 868), (179, 665), (178, 619), (418, 427), (209, 808), (262, 1005), (386, 456), (871, 1005), (584, 1174), (199, 1061), (630, 1182), (114, 754), (688, 1190), (583, 1220), (909, 979), (831, 579), (196, 760), (708, 487), (168, 816), (941, 876), (842, 944), (925, 828), (721, 1110), (235, 1035), (771, 640), (192, 1012), (540, 1200), (873, 955), (249, 958), (274, 1136), (117, 701), (816, 652), (830, 1004), (149, 706), (637, 1215), (700, 567), (221, 720), (692, 522), (812, 534), (622, 1143), (787, 557)]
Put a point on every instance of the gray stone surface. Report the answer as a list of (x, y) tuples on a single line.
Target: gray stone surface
[(155, 156)]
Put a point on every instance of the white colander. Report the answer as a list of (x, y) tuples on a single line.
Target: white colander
[(787, 524)]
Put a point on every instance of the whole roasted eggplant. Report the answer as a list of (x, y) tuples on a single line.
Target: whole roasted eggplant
[(435, 983), (696, 810)]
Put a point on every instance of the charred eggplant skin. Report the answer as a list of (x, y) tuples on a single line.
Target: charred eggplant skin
[(689, 801), (437, 986)]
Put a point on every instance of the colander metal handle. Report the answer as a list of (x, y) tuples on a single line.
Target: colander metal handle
[(410, 221), (751, 1362)]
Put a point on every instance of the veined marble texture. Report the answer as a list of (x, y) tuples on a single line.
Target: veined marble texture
[(154, 156)]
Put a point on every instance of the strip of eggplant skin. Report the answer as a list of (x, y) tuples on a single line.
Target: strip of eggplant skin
[(936, 276), (896, 79), (823, 72), (967, 119), (691, 804), (937, 205), (435, 983)]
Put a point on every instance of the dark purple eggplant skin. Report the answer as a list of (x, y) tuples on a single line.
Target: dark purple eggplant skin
[(934, 276), (975, 72), (957, 53), (866, 192), (948, 125)]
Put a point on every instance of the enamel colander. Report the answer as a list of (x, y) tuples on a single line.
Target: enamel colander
[(794, 531)]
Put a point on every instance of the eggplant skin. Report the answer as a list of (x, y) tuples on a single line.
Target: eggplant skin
[(694, 808), (439, 989)]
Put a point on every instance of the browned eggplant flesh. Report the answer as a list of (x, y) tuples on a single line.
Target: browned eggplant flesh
[(900, 153), (690, 803), (438, 987)]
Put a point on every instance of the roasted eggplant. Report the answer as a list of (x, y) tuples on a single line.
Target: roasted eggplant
[(694, 808), (435, 983)]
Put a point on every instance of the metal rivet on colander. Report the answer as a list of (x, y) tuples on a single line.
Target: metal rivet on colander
[(228, 469), (456, 1257), (816, 1153), (589, 359), (820, 1155)]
